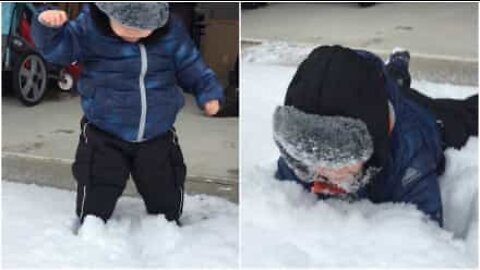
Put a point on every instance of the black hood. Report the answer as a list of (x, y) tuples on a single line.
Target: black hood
[(336, 81)]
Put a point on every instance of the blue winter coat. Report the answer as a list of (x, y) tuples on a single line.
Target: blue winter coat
[(410, 175), (129, 89)]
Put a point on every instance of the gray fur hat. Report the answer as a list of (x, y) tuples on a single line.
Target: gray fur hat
[(307, 141), (147, 15)]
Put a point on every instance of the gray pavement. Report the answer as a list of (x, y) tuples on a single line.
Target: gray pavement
[(442, 37), (38, 145)]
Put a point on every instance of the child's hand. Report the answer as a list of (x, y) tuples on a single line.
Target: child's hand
[(211, 107), (53, 18)]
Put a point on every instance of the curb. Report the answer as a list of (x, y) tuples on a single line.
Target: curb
[(434, 68), (56, 173)]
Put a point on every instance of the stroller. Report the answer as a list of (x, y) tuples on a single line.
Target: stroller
[(28, 71)]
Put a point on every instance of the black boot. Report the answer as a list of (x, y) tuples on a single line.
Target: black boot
[(397, 67)]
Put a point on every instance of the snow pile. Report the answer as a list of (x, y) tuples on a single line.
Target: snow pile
[(459, 188), (38, 231), (282, 225), (277, 52)]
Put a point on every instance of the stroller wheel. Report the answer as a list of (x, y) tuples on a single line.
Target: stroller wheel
[(65, 82), (30, 78)]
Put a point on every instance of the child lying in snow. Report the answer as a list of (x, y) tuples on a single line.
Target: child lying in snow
[(352, 127), (133, 55)]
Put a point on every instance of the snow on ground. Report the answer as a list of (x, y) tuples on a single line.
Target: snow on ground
[(277, 52), (282, 225), (38, 225)]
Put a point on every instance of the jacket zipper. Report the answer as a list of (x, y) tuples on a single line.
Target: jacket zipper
[(143, 94)]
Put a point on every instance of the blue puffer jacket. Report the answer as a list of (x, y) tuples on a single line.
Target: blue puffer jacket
[(129, 89), (411, 174)]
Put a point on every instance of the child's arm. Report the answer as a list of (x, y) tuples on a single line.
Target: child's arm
[(193, 75), (416, 179), (58, 39)]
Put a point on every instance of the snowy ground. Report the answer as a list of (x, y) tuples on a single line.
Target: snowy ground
[(38, 225), (284, 226)]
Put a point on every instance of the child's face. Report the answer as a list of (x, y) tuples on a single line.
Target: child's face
[(342, 177), (128, 33), (340, 173)]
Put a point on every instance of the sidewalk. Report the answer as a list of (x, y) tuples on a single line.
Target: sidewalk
[(442, 37), (39, 143)]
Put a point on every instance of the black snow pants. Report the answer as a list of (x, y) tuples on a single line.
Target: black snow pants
[(457, 118), (103, 164)]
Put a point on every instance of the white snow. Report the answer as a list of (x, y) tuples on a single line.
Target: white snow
[(38, 225), (277, 52), (283, 226)]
